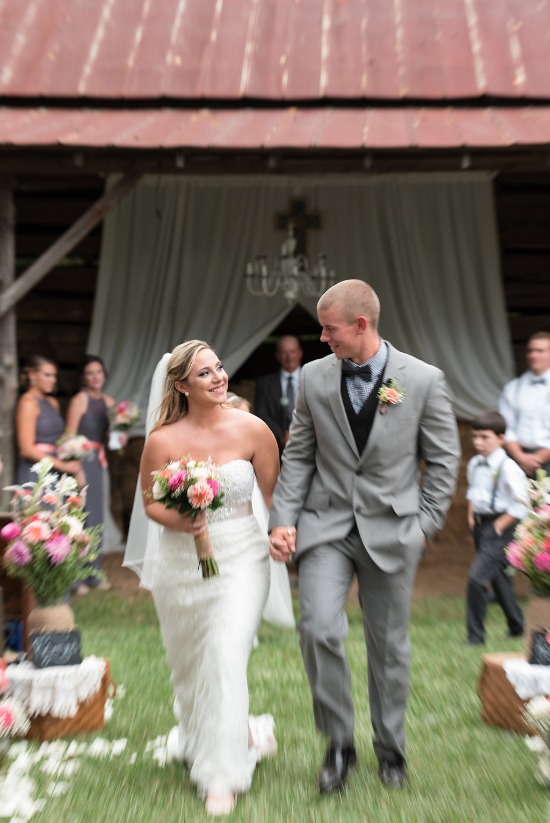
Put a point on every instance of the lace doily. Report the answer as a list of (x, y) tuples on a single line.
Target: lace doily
[(528, 680), (57, 690)]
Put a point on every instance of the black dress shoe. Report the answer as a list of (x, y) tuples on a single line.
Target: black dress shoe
[(393, 775), (334, 771)]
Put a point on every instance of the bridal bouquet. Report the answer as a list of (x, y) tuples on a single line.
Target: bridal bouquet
[(122, 416), (529, 552), (74, 447), (191, 487), (48, 546)]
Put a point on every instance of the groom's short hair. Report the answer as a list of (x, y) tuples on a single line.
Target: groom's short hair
[(356, 298)]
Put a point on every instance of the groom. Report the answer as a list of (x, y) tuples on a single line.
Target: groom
[(350, 500)]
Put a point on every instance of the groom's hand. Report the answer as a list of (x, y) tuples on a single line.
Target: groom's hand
[(282, 543)]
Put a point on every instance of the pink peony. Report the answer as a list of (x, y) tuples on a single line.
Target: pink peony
[(200, 495), (58, 547), (11, 531), (177, 480), (514, 553), (18, 554), (541, 561), (36, 532), (6, 718), (214, 485)]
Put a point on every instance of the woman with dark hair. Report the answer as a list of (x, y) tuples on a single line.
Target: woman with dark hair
[(208, 626), (38, 421), (88, 415)]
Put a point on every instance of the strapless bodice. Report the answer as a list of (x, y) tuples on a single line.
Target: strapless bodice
[(236, 479)]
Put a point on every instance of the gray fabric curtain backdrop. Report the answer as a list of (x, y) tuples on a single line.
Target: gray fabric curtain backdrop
[(175, 249)]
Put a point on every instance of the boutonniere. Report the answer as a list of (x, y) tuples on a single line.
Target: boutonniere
[(390, 394)]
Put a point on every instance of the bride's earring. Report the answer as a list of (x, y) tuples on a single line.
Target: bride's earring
[(186, 393)]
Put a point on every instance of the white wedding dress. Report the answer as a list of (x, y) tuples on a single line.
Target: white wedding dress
[(208, 628)]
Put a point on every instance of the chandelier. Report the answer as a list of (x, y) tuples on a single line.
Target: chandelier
[(291, 273)]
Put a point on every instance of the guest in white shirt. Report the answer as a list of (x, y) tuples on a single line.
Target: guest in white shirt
[(525, 405), (497, 493), (276, 392)]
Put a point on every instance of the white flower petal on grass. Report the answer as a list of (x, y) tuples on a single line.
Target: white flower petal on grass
[(118, 747), (57, 789), (160, 756), (99, 748), (153, 744)]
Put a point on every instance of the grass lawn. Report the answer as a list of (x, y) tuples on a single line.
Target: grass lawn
[(460, 769)]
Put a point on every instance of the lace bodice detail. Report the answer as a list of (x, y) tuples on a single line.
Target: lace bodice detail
[(236, 480)]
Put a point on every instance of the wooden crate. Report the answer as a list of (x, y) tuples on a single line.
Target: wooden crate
[(500, 703), (90, 716)]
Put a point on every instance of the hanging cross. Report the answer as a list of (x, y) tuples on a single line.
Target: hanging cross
[(301, 220)]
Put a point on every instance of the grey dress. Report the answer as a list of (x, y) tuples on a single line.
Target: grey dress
[(94, 425), (49, 428)]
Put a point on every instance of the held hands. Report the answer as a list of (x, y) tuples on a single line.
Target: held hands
[(282, 543)]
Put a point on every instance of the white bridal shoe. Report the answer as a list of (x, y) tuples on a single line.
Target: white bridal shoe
[(219, 805)]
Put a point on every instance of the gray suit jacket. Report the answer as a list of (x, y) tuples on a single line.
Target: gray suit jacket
[(326, 486)]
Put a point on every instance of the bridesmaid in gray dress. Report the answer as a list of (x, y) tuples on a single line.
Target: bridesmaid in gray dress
[(38, 421), (88, 415)]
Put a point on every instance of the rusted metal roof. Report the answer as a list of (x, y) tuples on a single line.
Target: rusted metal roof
[(277, 50), (242, 129)]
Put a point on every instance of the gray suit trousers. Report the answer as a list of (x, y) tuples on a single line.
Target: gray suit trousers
[(325, 575)]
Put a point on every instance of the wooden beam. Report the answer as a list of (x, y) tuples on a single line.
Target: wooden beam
[(8, 338), (18, 289)]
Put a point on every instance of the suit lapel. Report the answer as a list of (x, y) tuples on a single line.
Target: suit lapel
[(333, 377)]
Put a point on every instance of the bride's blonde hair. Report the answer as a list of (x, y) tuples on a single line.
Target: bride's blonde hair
[(174, 404)]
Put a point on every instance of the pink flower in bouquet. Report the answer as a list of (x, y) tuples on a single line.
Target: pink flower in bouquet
[(541, 561), (514, 552), (7, 719), (18, 554), (177, 480), (50, 499), (57, 547), (11, 531), (36, 532), (200, 495), (214, 485)]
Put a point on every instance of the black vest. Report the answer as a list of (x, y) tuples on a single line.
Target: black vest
[(361, 423)]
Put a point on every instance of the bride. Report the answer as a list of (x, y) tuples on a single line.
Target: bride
[(208, 625)]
